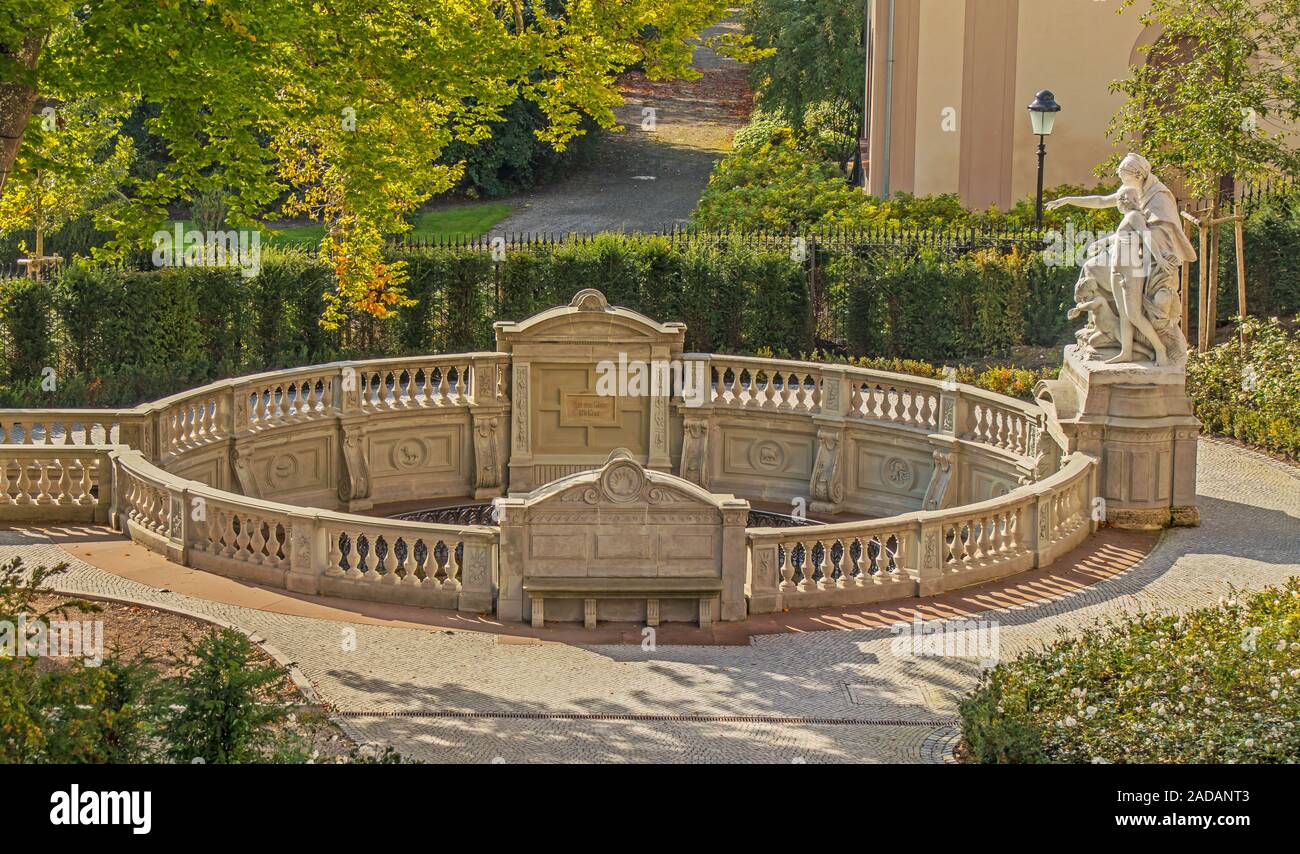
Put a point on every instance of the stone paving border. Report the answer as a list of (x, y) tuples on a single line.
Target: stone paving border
[(550, 702), (300, 681)]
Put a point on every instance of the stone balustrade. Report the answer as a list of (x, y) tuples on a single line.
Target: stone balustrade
[(925, 553), (55, 474), (264, 477)]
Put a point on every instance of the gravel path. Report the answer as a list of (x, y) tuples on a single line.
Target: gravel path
[(646, 180), (834, 696)]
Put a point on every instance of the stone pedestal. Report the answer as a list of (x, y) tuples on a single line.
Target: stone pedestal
[(1136, 418)]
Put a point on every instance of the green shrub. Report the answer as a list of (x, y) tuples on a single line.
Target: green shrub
[(286, 301), (222, 708), (1216, 685), (25, 333), (1251, 393), (1271, 236)]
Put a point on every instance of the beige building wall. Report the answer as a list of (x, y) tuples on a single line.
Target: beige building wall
[(938, 104), (986, 59)]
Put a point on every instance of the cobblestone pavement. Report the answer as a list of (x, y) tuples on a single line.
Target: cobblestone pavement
[(831, 696)]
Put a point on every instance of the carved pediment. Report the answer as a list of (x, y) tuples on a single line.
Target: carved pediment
[(588, 317), (624, 484)]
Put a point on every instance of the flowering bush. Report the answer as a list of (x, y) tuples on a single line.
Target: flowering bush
[(1002, 379), (1216, 685), (1251, 393)]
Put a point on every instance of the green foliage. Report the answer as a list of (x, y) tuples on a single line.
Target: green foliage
[(1271, 235), (77, 238), (812, 53), (779, 179), (221, 707), (1215, 685), (69, 160), (25, 328), (512, 158), (343, 114), (775, 186), (762, 129), (1217, 91), (1251, 393), (225, 711), (929, 304)]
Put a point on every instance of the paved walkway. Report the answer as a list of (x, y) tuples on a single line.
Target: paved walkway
[(819, 696), (649, 176)]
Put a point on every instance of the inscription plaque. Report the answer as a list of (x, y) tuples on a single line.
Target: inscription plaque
[(588, 409)]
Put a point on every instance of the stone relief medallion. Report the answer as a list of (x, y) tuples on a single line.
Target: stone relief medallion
[(622, 483), (767, 455), (408, 454), (898, 473), (284, 468)]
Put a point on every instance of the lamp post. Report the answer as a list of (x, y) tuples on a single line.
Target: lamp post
[(1042, 115)]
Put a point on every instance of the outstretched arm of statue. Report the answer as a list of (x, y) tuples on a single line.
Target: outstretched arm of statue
[(1084, 202)]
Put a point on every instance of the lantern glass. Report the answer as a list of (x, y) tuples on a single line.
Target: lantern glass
[(1042, 121)]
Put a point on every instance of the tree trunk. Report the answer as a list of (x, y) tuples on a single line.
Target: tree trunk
[(16, 101)]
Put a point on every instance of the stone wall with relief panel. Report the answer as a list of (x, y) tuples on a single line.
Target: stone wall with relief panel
[(209, 466), (986, 477), (570, 418), (765, 458), (421, 458), (886, 475), (300, 468), (623, 523)]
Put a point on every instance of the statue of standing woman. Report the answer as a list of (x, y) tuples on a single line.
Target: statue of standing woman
[(1128, 283)]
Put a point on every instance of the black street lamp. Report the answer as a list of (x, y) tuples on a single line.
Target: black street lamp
[(1042, 114)]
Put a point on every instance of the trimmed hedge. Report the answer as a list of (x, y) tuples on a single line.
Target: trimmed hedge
[(932, 305), (118, 337), (1215, 685), (1251, 393)]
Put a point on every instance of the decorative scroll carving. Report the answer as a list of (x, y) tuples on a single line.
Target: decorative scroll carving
[(826, 488), (938, 488), (243, 466), (695, 449), (520, 410), (354, 479), (487, 462)]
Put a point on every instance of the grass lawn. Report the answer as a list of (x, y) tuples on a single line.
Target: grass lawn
[(459, 221)]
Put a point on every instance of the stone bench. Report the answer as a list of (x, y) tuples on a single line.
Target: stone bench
[(539, 589)]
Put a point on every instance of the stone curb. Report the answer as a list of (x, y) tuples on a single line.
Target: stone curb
[(300, 681)]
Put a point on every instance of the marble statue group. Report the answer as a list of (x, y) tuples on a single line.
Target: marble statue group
[(1128, 285)]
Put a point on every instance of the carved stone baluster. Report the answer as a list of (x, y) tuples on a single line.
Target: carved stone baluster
[(257, 543), (389, 561), (369, 562), (242, 539), (408, 564), (808, 569), (63, 494), (4, 481), (787, 566), (333, 556), (454, 568), (43, 484), (24, 485), (353, 556)]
